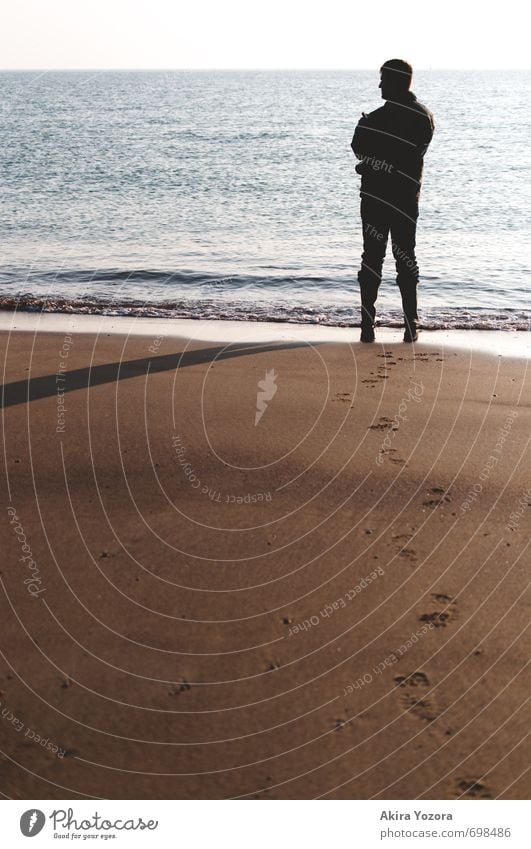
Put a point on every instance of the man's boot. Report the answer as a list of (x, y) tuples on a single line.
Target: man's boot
[(409, 306), (367, 332), (369, 293), (411, 331)]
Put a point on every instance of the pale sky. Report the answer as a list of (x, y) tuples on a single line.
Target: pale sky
[(46, 34)]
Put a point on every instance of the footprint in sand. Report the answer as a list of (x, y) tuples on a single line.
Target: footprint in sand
[(412, 690), (437, 496), (443, 610), (405, 537), (342, 722), (408, 554), (470, 788), (424, 357), (343, 396), (181, 687), (383, 423), (397, 460), (386, 452)]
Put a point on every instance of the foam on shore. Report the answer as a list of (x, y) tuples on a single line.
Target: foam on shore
[(514, 343)]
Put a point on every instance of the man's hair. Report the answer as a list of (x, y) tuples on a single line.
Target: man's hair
[(399, 71)]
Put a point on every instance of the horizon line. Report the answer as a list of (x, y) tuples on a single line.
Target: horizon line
[(205, 69)]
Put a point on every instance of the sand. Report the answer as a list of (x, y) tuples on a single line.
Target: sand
[(329, 599)]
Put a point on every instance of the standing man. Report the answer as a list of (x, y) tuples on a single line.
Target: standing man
[(391, 143)]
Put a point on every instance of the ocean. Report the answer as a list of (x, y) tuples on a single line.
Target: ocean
[(233, 195)]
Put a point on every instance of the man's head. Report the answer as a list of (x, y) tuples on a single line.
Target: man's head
[(395, 78)]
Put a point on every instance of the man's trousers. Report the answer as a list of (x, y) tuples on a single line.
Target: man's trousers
[(379, 219)]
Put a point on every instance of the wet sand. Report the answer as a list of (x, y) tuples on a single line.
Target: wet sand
[(286, 569)]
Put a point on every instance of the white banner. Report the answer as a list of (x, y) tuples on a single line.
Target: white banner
[(308, 824)]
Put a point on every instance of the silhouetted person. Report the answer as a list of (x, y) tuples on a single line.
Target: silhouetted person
[(391, 143)]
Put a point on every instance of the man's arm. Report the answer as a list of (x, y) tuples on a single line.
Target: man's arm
[(428, 128), (361, 138)]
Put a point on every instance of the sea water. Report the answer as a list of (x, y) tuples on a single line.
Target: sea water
[(233, 195)]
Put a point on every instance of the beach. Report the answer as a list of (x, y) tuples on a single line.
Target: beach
[(270, 566)]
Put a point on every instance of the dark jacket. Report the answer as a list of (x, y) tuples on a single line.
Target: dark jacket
[(391, 143)]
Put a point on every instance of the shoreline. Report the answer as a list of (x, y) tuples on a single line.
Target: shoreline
[(509, 343)]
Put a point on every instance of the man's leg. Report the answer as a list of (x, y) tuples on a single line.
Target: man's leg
[(375, 224), (403, 237)]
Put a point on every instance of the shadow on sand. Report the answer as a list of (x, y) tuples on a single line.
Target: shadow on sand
[(32, 389)]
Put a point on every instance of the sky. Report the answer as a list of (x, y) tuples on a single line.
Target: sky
[(49, 34)]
